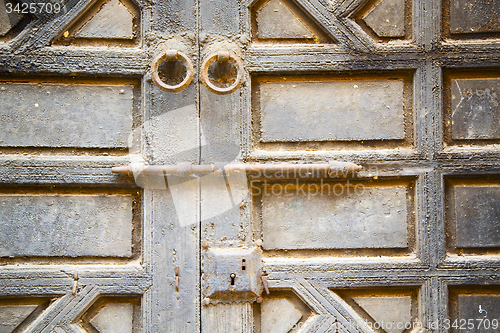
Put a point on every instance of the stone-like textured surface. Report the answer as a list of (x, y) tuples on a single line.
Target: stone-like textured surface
[(62, 115), (371, 218), (11, 316), (470, 16), (113, 20), (477, 213), (65, 225), (113, 318), (477, 307), (7, 20), (475, 105), (332, 110), (387, 309), (387, 18), (278, 315), (233, 317), (274, 20)]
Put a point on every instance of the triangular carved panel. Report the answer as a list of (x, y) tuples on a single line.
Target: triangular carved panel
[(278, 315), (393, 310), (12, 19), (283, 311), (112, 314), (114, 317), (7, 20), (389, 310), (11, 316), (386, 19), (113, 20), (106, 23), (275, 20)]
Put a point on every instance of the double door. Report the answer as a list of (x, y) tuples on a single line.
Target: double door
[(280, 166)]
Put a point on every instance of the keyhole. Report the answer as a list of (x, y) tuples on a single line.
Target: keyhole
[(243, 264), (233, 276)]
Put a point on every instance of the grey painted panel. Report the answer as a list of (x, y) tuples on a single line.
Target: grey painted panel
[(175, 16), (66, 225), (475, 105), (477, 211), (11, 316), (275, 20), (366, 218), (114, 317), (7, 20), (332, 110), (387, 18), (172, 244), (113, 20), (471, 16), (469, 307), (219, 17), (391, 309), (65, 115)]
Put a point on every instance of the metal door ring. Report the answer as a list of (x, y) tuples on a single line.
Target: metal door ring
[(171, 55), (222, 56)]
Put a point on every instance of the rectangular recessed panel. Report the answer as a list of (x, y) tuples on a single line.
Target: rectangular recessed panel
[(473, 16), (332, 110), (477, 213), (65, 115), (475, 105), (370, 217), (66, 225)]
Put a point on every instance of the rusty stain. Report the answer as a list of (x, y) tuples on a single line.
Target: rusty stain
[(73, 290), (264, 282), (177, 278)]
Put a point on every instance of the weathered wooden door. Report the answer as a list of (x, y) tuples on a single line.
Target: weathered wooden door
[(407, 89)]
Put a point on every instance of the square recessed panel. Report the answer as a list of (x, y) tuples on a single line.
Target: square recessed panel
[(477, 214), (472, 214), (474, 309), (475, 108)]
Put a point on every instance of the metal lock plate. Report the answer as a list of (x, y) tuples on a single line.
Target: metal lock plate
[(232, 274)]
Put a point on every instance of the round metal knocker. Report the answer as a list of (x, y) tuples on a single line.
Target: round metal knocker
[(222, 57), (171, 56)]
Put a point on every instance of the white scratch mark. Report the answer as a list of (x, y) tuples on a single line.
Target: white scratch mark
[(461, 99)]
